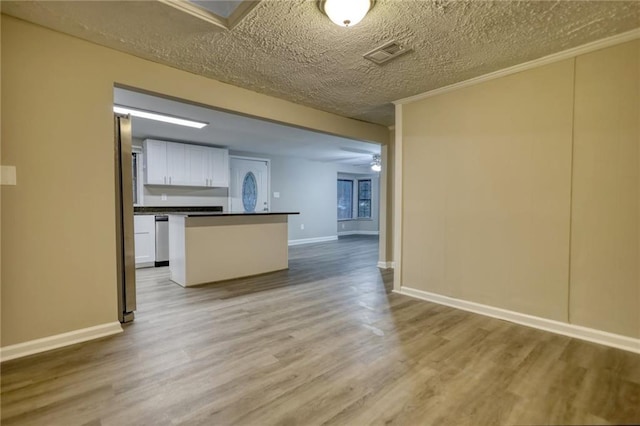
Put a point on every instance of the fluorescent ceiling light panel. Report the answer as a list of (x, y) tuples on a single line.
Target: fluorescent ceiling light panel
[(158, 117)]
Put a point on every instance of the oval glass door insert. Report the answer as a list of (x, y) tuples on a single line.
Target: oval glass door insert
[(249, 192)]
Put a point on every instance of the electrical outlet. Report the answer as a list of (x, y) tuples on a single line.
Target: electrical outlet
[(342, 225), (164, 197), (276, 195), (302, 226)]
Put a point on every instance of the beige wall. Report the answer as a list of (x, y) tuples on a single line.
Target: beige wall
[(488, 212), (605, 283), (58, 223), (486, 192)]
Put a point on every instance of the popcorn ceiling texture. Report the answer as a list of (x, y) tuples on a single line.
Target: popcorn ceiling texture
[(290, 50)]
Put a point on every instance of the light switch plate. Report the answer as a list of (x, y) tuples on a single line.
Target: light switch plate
[(8, 175), (164, 197), (276, 195)]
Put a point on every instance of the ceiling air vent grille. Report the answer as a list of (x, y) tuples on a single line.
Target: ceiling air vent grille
[(386, 52)]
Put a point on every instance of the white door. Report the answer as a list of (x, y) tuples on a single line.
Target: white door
[(249, 185)]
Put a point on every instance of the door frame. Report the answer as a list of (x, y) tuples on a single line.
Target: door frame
[(125, 250), (266, 160)]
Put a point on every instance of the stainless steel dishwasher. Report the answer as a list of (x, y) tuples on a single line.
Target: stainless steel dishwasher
[(162, 240)]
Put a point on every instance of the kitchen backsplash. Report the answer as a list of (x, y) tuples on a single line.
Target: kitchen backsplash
[(185, 196)]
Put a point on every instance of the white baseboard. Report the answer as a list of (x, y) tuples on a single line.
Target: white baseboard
[(313, 240), (386, 265), (358, 233), (584, 333), (59, 340)]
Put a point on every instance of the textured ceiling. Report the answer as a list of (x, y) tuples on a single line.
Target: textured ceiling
[(290, 50)]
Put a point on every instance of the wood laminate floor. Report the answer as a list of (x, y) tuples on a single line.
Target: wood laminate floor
[(325, 342)]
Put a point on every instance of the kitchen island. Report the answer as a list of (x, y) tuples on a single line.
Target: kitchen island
[(210, 247)]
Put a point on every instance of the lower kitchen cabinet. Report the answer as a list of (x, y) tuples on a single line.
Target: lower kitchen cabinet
[(144, 229)]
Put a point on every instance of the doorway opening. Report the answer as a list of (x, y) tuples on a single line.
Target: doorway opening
[(235, 163)]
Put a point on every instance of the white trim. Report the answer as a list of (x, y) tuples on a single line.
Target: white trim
[(59, 340), (558, 327), (385, 265), (545, 60), (313, 240), (358, 233)]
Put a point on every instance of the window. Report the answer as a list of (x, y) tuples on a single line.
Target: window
[(364, 198), (345, 199)]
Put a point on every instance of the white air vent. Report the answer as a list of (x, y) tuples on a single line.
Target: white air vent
[(386, 52)]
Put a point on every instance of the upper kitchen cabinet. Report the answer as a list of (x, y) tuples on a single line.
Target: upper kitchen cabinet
[(179, 164), (197, 158), (155, 162), (218, 172)]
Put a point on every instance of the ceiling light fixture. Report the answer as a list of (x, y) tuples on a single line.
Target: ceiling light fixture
[(346, 13), (376, 164), (158, 117)]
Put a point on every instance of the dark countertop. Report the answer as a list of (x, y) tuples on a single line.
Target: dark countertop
[(175, 209), (214, 214)]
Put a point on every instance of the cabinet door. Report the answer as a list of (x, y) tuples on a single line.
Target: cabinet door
[(177, 164), (219, 162), (198, 160), (155, 162), (144, 229)]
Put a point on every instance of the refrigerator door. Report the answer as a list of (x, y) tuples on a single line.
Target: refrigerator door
[(126, 262)]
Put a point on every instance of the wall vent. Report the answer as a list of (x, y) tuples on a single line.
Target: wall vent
[(386, 52)]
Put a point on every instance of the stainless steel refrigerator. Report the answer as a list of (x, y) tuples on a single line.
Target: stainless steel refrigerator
[(124, 219)]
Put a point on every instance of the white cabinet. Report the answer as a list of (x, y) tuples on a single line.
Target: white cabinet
[(177, 172), (144, 230), (218, 172), (155, 162), (197, 158), (178, 164)]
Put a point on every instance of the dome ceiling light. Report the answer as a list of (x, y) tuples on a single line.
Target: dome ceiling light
[(345, 13)]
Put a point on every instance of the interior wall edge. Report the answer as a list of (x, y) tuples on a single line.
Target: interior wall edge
[(397, 201), (566, 329), (545, 60)]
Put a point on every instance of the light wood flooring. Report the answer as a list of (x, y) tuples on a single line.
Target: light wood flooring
[(325, 342)]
